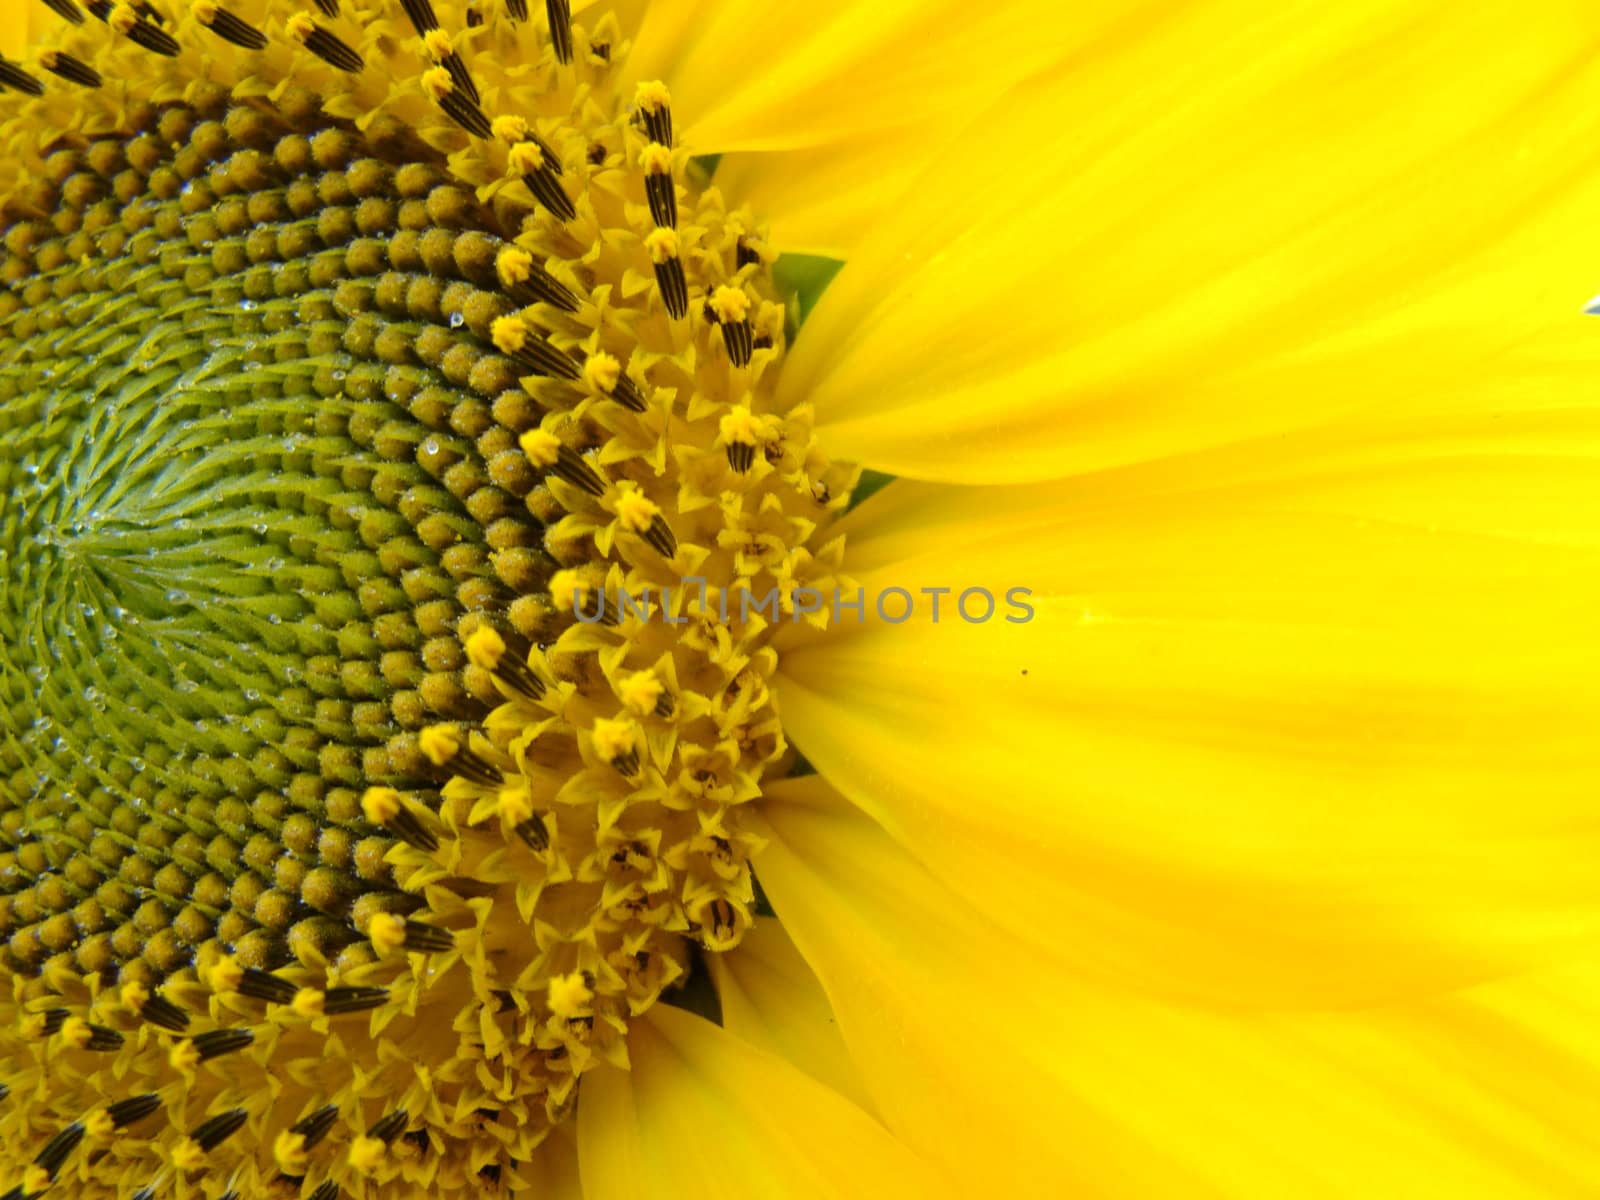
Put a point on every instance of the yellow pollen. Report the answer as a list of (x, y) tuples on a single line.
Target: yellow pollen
[(640, 692), (661, 244), (75, 1031), (636, 510), (299, 26), (226, 975), (509, 128), (188, 1156), (366, 1153), (310, 1002), (387, 933), (516, 805), (541, 446), (602, 371), (289, 1152), (380, 804), (614, 739), (509, 334), (730, 304), (651, 95), (655, 159), (525, 158), (739, 427), (133, 995), (205, 11), (437, 43), (99, 1125), (569, 995), (440, 743), (565, 585), (184, 1056), (437, 82), (35, 1179), (484, 647), (122, 18), (513, 265)]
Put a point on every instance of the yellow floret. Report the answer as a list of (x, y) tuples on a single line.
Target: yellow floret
[(569, 995)]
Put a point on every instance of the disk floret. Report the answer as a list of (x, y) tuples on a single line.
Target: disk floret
[(403, 520)]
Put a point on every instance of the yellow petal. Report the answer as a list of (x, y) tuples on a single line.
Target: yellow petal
[(553, 1172), (1304, 728), (779, 76), (771, 1000), (1238, 219), (1022, 1079), (704, 1114), (820, 199), (19, 22)]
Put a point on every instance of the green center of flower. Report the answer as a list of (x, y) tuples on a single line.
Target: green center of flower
[(398, 516)]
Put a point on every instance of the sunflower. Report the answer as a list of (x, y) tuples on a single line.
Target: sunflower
[(472, 728)]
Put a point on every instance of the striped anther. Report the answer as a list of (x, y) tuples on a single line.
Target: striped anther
[(516, 340), (662, 246), (67, 10), (218, 1042), (518, 9), (158, 1010), (389, 1126), (324, 43), (428, 938), (487, 649), (659, 188), (57, 1149), (80, 1033), (228, 27), (338, 1001), (441, 85), (607, 376), (526, 282), (213, 1131), (729, 307), (559, 13), (654, 103), (575, 469), (133, 25), (547, 190), (132, 1110), (421, 14), (314, 1127), (14, 77), (263, 985), (533, 832), (385, 807), (453, 63), (73, 70)]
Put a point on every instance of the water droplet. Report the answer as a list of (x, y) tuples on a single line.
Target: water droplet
[(457, 320), (247, 305)]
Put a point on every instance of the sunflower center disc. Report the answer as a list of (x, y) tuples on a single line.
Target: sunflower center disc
[(369, 754)]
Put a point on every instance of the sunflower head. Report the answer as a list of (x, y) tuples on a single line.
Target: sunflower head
[(389, 418)]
